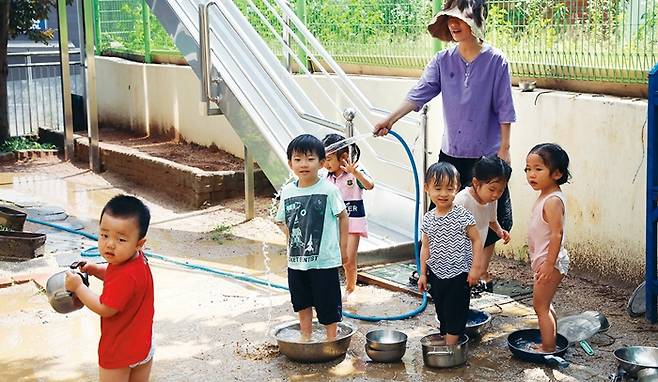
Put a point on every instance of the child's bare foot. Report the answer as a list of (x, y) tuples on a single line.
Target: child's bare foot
[(305, 337), (539, 348), (332, 331)]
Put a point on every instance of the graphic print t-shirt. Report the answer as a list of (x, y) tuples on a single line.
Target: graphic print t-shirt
[(310, 215)]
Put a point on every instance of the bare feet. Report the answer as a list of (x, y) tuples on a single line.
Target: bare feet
[(305, 337), (539, 348)]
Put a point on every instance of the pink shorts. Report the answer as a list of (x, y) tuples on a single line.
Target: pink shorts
[(358, 226)]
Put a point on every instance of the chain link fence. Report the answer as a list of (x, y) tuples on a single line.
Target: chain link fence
[(594, 40)]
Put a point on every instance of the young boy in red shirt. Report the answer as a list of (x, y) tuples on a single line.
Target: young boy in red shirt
[(125, 350)]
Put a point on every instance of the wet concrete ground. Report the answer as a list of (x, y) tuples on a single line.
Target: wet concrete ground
[(213, 328)]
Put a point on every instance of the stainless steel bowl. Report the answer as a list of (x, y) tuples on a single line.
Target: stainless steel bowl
[(437, 354), (386, 339), (61, 299), (477, 322), (647, 375), (386, 355), (314, 351), (632, 359)]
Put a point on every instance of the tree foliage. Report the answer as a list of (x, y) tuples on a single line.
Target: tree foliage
[(17, 18), (23, 13)]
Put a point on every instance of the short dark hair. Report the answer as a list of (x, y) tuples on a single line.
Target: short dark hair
[(479, 8), (331, 139), (126, 207), (305, 144), (440, 171), (555, 158), (491, 168)]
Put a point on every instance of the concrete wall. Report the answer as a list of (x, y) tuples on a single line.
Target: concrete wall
[(604, 136), (172, 94)]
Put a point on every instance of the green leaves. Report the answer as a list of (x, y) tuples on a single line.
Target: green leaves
[(122, 27), (22, 143), (23, 13)]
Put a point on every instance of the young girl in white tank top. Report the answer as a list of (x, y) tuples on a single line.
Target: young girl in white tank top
[(547, 168)]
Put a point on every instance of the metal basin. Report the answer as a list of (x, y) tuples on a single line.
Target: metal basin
[(519, 341), (477, 322), (386, 340), (386, 355), (437, 354), (19, 246), (647, 375), (632, 359), (313, 351), (12, 219)]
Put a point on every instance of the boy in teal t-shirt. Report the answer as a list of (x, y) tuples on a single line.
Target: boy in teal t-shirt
[(316, 226)]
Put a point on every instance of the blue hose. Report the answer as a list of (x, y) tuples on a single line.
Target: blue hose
[(63, 228), (423, 305), (93, 252)]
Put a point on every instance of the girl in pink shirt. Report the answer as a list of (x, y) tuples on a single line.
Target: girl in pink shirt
[(351, 180), (547, 167)]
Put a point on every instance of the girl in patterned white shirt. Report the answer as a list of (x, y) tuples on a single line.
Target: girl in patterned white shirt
[(451, 252)]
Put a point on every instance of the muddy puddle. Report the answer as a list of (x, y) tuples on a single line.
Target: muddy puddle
[(213, 328)]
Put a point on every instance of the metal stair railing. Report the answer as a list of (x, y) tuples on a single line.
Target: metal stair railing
[(345, 87), (205, 53), (267, 106), (356, 98)]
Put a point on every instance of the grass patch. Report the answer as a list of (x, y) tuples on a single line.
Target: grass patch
[(220, 233), (21, 143)]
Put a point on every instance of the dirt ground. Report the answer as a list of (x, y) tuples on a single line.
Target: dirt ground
[(205, 158), (215, 328)]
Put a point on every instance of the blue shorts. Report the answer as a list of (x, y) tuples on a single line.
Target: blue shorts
[(319, 288)]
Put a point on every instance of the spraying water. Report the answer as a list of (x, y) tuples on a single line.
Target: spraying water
[(266, 248), (346, 142)]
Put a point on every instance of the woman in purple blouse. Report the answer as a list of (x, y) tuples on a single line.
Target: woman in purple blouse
[(474, 81)]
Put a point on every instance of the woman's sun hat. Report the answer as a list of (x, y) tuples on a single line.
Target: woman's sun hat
[(471, 13)]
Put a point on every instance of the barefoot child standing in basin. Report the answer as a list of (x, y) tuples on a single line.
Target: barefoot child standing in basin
[(316, 228), (490, 177), (452, 250), (351, 180), (547, 168), (125, 350)]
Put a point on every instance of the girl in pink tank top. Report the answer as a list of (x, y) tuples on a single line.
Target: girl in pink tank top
[(547, 167), (351, 180)]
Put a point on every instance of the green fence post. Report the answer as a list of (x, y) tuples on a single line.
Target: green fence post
[(300, 11), (437, 45), (146, 24), (97, 27)]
